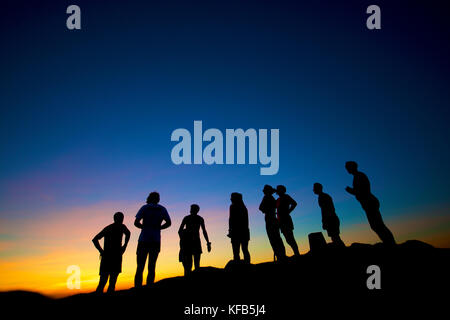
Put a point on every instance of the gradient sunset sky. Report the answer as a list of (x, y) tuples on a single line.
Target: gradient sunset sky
[(86, 118)]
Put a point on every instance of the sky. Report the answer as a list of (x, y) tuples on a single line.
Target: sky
[(87, 116)]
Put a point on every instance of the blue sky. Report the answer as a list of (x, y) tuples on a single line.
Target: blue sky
[(109, 96)]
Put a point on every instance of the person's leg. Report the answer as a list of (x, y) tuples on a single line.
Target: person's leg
[(289, 236), (141, 258), (197, 261), (377, 224), (152, 257), (280, 249), (277, 243), (187, 264), (280, 246), (236, 247), (185, 268), (270, 235), (385, 234), (102, 282), (337, 241), (112, 281), (245, 251)]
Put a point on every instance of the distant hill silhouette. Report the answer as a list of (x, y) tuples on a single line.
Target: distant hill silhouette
[(331, 282)]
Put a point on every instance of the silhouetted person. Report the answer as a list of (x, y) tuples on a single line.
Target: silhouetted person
[(190, 244), (370, 204), (285, 205), (238, 227), (111, 253), (268, 206), (330, 220), (149, 244)]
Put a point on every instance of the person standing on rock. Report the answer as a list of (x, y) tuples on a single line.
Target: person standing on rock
[(285, 205), (239, 231), (190, 244), (112, 251), (150, 220), (268, 206), (330, 220)]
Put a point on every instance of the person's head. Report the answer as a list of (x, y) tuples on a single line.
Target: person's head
[(317, 189), (118, 217), (268, 190), (153, 197), (351, 166), (236, 198), (195, 208), (281, 190)]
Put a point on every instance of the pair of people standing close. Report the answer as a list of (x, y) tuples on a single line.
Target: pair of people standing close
[(278, 218)]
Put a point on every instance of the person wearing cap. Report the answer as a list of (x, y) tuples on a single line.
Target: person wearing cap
[(330, 221), (112, 251), (268, 207), (285, 205)]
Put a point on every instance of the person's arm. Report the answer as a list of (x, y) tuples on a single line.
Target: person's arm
[(261, 206), (137, 221), (97, 243), (138, 224), (246, 216), (180, 229), (352, 190), (205, 234), (293, 204), (127, 238), (167, 222), (230, 222)]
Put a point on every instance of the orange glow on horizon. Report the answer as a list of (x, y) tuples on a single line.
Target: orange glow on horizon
[(37, 257)]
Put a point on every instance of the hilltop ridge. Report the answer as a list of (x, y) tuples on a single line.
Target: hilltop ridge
[(330, 282)]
